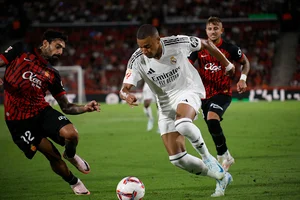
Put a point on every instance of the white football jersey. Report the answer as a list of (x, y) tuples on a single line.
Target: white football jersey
[(172, 74)]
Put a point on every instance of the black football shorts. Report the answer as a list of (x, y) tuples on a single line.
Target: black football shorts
[(28, 133), (218, 104)]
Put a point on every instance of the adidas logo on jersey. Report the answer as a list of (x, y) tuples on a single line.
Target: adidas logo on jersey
[(151, 71)]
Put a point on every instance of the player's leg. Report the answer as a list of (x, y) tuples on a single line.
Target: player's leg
[(59, 166), (187, 110), (157, 113), (148, 97), (57, 127), (175, 146), (148, 113), (217, 105), (70, 135), (27, 134)]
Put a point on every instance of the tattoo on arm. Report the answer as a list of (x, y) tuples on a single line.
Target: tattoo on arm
[(69, 108), (246, 65)]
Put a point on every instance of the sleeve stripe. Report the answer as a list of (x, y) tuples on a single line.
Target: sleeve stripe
[(241, 58), (177, 40), (4, 59), (133, 58), (60, 94), (166, 44)]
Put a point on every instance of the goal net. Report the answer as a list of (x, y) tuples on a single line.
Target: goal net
[(73, 81)]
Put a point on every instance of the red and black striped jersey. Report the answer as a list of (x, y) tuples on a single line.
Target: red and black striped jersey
[(27, 78), (212, 72)]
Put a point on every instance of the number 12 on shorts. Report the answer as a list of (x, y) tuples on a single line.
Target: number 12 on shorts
[(27, 137)]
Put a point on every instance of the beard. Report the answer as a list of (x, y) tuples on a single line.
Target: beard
[(53, 60)]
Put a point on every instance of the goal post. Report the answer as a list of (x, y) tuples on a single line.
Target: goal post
[(73, 82), (73, 74)]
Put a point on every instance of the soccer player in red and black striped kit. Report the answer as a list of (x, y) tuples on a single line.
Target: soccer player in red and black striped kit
[(217, 84), (30, 119)]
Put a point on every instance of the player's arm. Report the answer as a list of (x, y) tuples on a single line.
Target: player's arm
[(130, 79), (75, 109), (10, 54), (193, 57), (126, 95), (214, 51), (241, 85), (2, 63), (59, 93)]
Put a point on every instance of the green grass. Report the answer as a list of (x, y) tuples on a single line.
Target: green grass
[(263, 137)]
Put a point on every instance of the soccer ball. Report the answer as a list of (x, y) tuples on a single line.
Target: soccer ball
[(130, 188)]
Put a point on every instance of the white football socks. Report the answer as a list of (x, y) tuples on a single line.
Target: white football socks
[(148, 112), (186, 128), (192, 164)]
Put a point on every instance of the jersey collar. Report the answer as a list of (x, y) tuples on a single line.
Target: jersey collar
[(220, 43)]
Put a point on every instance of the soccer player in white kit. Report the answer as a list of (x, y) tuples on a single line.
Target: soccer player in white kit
[(162, 63), (148, 98)]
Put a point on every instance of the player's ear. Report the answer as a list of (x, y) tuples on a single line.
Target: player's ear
[(158, 39), (45, 43)]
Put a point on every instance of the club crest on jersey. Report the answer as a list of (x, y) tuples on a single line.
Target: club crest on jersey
[(173, 60), (47, 74), (32, 147)]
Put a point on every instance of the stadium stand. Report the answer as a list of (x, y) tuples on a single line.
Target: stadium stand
[(102, 33)]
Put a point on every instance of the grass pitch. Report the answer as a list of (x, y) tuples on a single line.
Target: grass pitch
[(263, 137)]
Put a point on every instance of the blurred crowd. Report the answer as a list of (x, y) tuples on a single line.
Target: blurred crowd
[(295, 82), (134, 10), (103, 50)]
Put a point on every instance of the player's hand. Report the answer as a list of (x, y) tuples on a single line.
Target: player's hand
[(131, 100), (231, 72), (241, 86), (1, 81), (92, 106)]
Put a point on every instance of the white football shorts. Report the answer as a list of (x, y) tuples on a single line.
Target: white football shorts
[(167, 114)]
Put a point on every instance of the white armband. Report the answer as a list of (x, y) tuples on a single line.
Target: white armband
[(229, 67), (243, 77)]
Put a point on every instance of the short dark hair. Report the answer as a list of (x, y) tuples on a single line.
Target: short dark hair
[(51, 35), (146, 30), (213, 20)]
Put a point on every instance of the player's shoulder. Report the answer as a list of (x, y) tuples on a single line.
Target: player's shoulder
[(18, 46), (175, 39), (53, 70), (229, 44), (136, 57)]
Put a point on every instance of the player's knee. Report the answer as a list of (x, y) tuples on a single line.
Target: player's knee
[(147, 103), (71, 135), (184, 125), (214, 127), (178, 159)]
